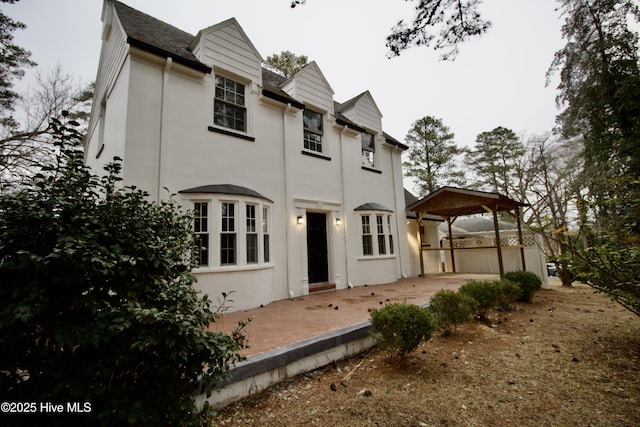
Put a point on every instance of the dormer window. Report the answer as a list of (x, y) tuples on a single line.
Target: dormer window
[(368, 149), (312, 122), (229, 108)]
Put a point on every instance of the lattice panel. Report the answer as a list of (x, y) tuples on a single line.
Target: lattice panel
[(528, 241)]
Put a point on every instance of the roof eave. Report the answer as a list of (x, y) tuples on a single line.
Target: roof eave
[(198, 66)]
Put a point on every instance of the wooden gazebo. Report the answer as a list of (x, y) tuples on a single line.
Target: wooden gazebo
[(452, 202)]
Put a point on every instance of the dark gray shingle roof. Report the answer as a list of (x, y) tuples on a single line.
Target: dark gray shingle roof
[(225, 189), (151, 34), (372, 206)]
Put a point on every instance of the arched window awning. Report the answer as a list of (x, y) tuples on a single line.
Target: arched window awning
[(225, 189), (373, 206)]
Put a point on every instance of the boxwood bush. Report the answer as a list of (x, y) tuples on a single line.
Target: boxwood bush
[(510, 292), (452, 309), (528, 282), (402, 327), (486, 294)]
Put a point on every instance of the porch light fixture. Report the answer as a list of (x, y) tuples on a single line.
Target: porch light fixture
[(300, 219), (338, 222)]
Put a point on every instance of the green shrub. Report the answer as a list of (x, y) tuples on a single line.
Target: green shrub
[(402, 327), (510, 292), (528, 282), (452, 308), (97, 302), (486, 294)]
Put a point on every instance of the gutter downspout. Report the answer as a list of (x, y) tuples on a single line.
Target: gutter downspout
[(344, 212), (163, 131), (287, 203), (398, 214)]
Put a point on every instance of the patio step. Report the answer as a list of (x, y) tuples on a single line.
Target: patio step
[(322, 287)]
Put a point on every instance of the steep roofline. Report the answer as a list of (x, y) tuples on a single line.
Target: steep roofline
[(222, 24), (152, 35)]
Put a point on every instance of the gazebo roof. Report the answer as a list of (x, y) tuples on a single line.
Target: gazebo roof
[(454, 202)]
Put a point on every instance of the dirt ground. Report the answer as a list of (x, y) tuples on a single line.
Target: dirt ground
[(569, 358)]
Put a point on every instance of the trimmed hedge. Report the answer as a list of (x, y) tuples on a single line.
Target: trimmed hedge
[(402, 327), (528, 282), (452, 308)]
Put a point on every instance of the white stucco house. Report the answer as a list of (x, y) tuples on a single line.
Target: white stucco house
[(293, 192)]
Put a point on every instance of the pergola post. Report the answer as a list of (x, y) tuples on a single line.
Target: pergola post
[(520, 241), (419, 217), (498, 243), (453, 259)]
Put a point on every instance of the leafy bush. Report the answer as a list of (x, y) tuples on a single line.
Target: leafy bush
[(510, 292), (613, 267), (97, 302), (452, 308), (486, 294), (528, 282), (402, 327)]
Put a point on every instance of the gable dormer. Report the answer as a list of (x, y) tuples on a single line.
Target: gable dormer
[(363, 110), (225, 46), (310, 87)]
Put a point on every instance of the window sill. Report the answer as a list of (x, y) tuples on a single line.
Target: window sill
[(233, 268), (366, 168), (375, 257), (316, 155), (233, 133)]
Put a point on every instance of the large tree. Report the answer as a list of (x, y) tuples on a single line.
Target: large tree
[(287, 63), (25, 142), (549, 179), (440, 24), (494, 160), (432, 155), (600, 92), (13, 60)]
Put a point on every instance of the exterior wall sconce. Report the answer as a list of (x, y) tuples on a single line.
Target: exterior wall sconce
[(300, 219), (338, 222)]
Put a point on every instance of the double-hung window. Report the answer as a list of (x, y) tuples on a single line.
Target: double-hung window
[(312, 122), (390, 234), (368, 149), (201, 229), (228, 234), (367, 238), (229, 106), (251, 234), (382, 241), (265, 233)]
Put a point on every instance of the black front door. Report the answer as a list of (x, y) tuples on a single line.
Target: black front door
[(318, 267)]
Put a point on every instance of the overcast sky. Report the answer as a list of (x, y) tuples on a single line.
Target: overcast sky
[(498, 80)]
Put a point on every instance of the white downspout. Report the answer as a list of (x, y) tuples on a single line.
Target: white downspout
[(345, 223), (163, 130), (287, 203), (399, 213)]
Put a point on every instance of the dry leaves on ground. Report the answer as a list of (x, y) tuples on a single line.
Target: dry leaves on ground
[(569, 358)]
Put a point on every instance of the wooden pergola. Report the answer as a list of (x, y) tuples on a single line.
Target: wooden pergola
[(452, 202)]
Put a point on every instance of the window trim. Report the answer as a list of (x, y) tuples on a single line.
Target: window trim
[(313, 131), (251, 233), (198, 218), (232, 104), (368, 165), (233, 233)]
